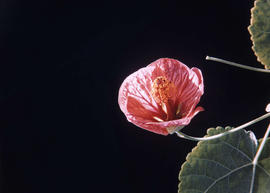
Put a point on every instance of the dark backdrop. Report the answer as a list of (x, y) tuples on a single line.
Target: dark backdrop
[(62, 63)]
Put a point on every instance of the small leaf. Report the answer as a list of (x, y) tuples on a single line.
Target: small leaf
[(224, 165), (260, 31)]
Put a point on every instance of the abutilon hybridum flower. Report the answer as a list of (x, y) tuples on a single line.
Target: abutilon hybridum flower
[(162, 96)]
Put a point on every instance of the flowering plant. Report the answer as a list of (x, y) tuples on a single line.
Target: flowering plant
[(162, 98)]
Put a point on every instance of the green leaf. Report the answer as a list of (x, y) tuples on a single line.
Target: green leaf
[(259, 30), (224, 165)]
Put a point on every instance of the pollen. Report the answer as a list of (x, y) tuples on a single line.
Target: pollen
[(161, 90)]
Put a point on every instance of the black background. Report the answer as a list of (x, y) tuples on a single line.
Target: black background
[(62, 63)]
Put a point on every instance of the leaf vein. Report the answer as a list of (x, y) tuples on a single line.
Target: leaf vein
[(214, 161), (265, 171), (245, 155), (224, 176)]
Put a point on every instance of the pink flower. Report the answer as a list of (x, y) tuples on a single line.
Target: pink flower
[(162, 96)]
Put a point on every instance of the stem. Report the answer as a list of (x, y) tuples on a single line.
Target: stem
[(252, 178), (182, 135), (256, 158), (237, 65)]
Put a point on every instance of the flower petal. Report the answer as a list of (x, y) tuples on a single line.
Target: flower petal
[(192, 92), (135, 95), (173, 123)]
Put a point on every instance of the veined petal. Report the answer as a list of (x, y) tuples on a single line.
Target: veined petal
[(135, 94)]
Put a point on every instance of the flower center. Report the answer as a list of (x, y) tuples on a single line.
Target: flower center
[(162, 91)]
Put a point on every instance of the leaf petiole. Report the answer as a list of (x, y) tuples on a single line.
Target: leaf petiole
[(236, 64)]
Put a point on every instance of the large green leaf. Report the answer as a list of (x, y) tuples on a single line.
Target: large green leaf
[(224, 165), (260, 31)]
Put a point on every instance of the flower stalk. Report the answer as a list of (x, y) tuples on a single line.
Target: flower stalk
[(185, 136)]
